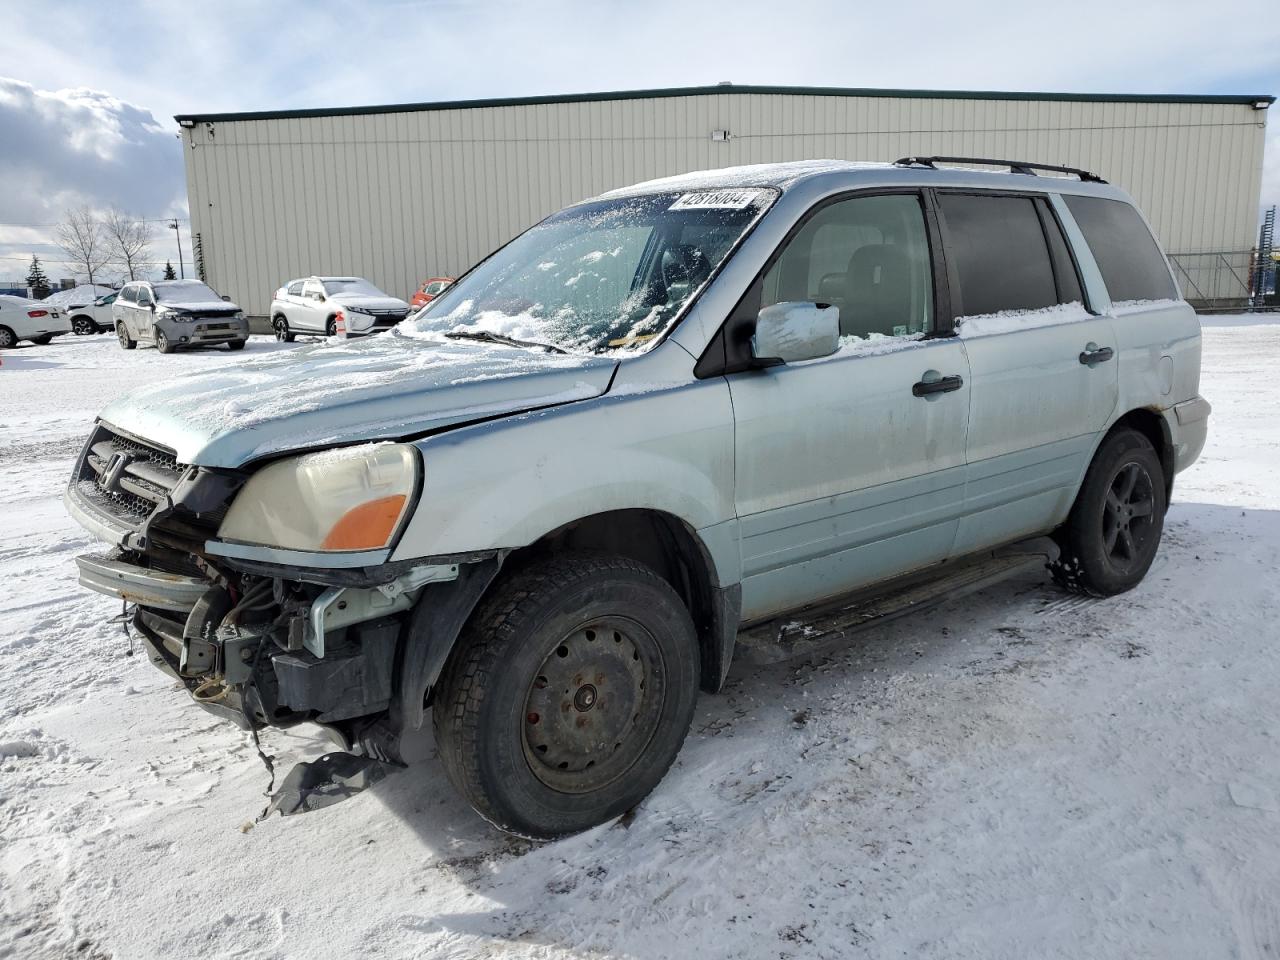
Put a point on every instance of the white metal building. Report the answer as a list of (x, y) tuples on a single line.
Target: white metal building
[(404, 192)]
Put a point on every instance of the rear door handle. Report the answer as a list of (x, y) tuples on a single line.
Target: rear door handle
[(1095, 354), (942, 385)]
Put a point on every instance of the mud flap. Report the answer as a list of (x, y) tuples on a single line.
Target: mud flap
[(324, 782)]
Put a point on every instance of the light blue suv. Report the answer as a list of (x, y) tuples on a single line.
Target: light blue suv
[(731, 415)]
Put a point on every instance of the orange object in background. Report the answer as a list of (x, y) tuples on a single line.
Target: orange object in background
[(429, 290)]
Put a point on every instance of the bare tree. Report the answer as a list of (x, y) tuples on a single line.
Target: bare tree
[(83, 240), (128, 239)]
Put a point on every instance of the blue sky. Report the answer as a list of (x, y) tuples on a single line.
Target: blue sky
[(87, 114)]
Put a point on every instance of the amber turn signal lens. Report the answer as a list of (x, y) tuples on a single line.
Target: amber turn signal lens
[(367, 526)]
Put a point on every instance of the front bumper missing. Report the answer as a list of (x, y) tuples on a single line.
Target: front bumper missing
[(135, 584)]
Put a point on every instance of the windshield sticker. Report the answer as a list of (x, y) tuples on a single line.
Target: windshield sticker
[(716, 200)]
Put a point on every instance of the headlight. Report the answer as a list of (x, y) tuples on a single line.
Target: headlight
[(353, 498), (180, 316), (351, 309)]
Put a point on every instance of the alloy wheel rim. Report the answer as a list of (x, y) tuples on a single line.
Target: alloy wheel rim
[(282, 330), (6, 338), (1128, 516), (593, 705)]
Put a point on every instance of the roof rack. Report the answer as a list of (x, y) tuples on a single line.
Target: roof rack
[(1015, 166)]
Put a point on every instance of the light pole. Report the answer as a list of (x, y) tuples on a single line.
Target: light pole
[(173, 225)]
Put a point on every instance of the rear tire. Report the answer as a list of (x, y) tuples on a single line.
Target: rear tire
[(163, 343), (1113, 532), (281, 327), (568, 694), (8, 338), (126, 342), (43, 340)]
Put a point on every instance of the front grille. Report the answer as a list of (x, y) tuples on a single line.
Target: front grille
[(126, 478)]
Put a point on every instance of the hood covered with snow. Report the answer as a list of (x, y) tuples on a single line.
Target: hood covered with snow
[(380, 388)]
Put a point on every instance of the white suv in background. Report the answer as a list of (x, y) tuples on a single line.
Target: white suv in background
[(333, 307)]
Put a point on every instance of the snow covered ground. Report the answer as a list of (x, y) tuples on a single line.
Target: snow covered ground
[(1018, 774)]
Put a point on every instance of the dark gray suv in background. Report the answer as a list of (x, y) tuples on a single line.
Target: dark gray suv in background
[(176, 313)]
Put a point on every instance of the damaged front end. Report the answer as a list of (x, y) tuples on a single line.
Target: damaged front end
[(261, 644)]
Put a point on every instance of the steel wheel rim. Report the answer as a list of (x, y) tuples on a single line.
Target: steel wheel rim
[(594, 705), (1128, 516)]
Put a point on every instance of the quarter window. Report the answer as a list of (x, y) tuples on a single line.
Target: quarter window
[(1000, 254), (295, 288), (869, 257), (1132, 266)]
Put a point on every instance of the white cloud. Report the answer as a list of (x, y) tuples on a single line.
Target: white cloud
[(67, 148)]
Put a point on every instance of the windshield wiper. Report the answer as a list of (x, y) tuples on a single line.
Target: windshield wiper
[(489, 336)]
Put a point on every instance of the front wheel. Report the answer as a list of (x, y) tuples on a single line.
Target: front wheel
[(83, 327), (568, 696), (235, 345), (126, 342), (163, 343), (331, 328), (1111, 536)]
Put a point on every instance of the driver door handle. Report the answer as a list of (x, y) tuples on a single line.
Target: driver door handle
[(942, 385), (1095, 354)]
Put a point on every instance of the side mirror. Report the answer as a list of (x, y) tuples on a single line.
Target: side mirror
[(226, 298), (151, 305), (795, 330), (318, 297)]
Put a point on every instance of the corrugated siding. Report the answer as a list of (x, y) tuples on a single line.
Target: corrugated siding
[(399, 197)]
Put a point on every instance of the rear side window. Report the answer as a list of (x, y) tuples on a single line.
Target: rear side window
[(1133, 268), (1000, 253)]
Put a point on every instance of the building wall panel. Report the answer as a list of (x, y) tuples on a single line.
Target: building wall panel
[(401, 196)]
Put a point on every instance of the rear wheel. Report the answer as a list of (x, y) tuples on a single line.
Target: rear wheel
[(281, 327), (163, 343), (83, 327), (126, 342), (568, 695), (1111, 537), (44, 339), (7, 338)]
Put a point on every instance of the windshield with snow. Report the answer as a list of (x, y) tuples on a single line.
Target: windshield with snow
[(362, 287), (602, 276), (184, 291)]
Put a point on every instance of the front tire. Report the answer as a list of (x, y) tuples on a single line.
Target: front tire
[(1113, 532), (568, 695), (236, 345), (331, 328), (163, 343), (83, 327)]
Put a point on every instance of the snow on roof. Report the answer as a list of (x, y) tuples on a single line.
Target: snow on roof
[(781, 175)]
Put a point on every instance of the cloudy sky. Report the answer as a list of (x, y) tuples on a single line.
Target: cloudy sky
[(88, 90)]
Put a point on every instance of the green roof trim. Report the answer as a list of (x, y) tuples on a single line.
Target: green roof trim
[(727, 89)]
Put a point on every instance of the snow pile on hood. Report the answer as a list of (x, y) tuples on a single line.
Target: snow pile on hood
[(1010, 321)]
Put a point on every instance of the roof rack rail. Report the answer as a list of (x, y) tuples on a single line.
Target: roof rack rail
[(1015, 166)]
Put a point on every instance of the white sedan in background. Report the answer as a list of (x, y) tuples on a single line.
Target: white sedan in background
[(23, 319), (333, 307)]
